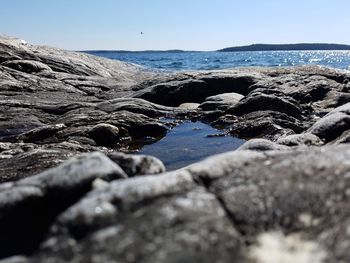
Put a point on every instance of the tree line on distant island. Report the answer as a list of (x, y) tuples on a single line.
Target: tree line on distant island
[(284, 47)]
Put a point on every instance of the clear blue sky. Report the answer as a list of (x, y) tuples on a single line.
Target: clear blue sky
[(178, 24)]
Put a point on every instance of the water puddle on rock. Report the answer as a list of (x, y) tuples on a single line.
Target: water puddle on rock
[(190, 142)]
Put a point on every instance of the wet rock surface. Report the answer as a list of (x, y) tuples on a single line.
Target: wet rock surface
[(70, 191)]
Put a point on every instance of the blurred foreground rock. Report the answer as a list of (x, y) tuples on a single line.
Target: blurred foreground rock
[(230, 206)]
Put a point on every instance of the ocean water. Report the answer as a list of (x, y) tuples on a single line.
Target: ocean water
[(175, 61)]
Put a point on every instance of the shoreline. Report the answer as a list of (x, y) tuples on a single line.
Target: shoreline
[(69, 193)]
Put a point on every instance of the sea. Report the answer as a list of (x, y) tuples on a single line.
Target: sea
[(198, 60)]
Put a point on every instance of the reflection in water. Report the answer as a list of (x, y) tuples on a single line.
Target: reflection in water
[(190, 142)]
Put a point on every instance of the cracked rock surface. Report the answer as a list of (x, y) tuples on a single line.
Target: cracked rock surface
[(72, 191)]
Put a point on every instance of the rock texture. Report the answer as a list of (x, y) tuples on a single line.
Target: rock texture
[(221, 102), (70, 191)]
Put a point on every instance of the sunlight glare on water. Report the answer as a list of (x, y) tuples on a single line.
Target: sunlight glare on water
[(221, 60)]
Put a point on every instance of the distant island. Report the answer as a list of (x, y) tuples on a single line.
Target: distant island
[(284, 47), (253, 47)]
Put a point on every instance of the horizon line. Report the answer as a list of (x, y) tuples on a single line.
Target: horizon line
[(221, 49)]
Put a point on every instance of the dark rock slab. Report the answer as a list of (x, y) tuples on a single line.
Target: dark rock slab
[(258, 101), (30, 205), (343, 138), (36, 135), (26, 160), (263, 124), (28, 66), (176, 92), (333, 124), (173, 92), (105, 134)]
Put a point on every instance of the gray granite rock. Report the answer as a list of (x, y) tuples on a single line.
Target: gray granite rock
[(189, 106), (300, 139), (135, 165), (59, 60), (331, 126), (135, 105), (196, 223), (298, 192), (262, 145), (29, 205), (231, 204), (222, 101), (263, 124), (282, 187), (226, 97)]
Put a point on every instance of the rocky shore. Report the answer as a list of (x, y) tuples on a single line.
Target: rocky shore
[(73, 190)]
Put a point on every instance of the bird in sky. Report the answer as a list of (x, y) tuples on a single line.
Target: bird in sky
[(141, 33)]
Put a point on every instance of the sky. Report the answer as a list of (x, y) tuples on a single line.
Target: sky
[(174, 24)]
